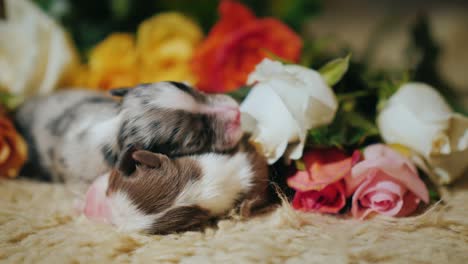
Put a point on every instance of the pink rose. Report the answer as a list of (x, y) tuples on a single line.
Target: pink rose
[(321, 186), (386, 183)]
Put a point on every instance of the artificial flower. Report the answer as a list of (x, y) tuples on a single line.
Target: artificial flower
[(237, 43), (13, 150), (320, 187), (166, 44), (386, 183), (417, 117), (286, 101), (113, 63), (36, 54)]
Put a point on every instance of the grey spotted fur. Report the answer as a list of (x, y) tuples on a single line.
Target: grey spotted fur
[(76, 135)]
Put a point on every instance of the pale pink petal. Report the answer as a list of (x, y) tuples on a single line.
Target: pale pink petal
[(383, 158), (300, 181), (378, 151), (377, 194), (358, 210)]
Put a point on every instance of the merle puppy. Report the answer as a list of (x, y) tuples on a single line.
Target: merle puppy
[(77, 135)]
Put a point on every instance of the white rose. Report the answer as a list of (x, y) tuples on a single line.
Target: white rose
[(286, 101), (34, 51), (417, 116)]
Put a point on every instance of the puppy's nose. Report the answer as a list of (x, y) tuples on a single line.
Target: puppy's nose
[(96, 205), (233, 114)]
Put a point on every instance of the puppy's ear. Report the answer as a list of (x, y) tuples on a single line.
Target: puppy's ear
[(126, 164), (150, 159), (120, 92)]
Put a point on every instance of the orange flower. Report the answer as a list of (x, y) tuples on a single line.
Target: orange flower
[(113, 63), (13, 150), (237, 43)]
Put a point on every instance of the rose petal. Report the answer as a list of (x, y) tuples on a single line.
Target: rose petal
[(323, 168), (364, 199), (329, 200), (380, 193), (301, 181), (383, 158), (272, 135), (385, 190), (411, 203), (418, 117)]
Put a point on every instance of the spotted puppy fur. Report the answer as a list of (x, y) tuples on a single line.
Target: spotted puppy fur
[(76, 135)]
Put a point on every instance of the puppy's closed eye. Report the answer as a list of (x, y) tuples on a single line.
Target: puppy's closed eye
[(119, 92)]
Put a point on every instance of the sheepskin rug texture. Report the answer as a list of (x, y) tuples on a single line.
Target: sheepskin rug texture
[(37, 225)]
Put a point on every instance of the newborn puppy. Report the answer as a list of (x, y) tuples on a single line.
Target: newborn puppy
[(77, 135), (152, 193)]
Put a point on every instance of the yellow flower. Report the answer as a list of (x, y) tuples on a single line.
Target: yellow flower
[(112, 63), (163, 50), (165, 45)]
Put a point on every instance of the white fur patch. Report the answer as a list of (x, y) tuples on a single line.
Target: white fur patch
[(126, 216), (101, 132), (224, 178), (175, 99)]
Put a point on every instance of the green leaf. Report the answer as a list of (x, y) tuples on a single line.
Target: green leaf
[(120, 8), (300, 165), (9, 101), (333, 71), (434, 195), (357, 121), (240, 94), (349, 129)]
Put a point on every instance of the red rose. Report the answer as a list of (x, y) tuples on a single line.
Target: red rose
[(237, 43), (330, 199), (321, 187)]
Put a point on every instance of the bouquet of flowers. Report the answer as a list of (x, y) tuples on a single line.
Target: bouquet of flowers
[(343, 137)]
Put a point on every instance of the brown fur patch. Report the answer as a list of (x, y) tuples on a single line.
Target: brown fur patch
[(180, 219), (155, 190)]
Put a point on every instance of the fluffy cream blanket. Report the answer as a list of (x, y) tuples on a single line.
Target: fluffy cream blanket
[(37, 226)]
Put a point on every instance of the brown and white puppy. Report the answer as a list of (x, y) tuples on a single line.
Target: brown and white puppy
[(77, 135), (161, 195)]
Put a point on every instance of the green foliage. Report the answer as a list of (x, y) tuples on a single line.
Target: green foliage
[(333, 71), (90, 21), (240, 94), (9, 101), (349, 129), (361, 92)]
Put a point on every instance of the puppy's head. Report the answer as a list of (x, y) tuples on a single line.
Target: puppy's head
[(176, 119), (153, 193), (144, 194)]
